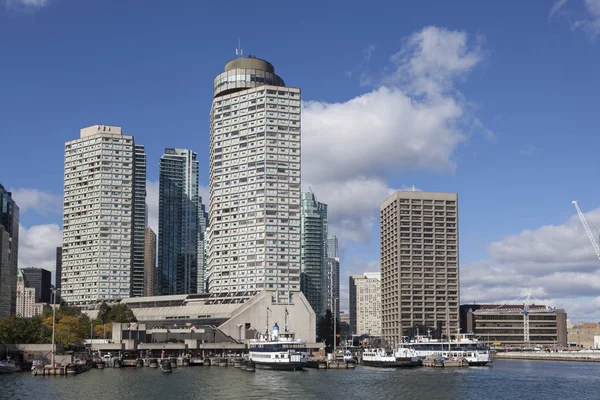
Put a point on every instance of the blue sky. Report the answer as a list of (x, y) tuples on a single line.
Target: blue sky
[(494, 100)]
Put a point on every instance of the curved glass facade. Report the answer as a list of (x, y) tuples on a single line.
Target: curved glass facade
[(244, 78)]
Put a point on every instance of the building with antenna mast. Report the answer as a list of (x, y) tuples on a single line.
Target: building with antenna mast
[(254, 212)]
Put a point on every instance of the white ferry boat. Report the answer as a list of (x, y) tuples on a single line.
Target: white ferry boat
[(402, 357), (475, 352), (278, 351)]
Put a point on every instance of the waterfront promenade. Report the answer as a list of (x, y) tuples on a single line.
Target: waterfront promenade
[(504, 380), (582, 356)]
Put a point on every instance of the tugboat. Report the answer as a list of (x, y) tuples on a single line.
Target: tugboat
[(401, 357), (278, 351)]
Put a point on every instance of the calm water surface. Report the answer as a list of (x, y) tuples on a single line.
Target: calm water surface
[(504, 380)]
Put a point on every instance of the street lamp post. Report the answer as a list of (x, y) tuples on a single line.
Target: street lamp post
[(54, 291), (334, 329)]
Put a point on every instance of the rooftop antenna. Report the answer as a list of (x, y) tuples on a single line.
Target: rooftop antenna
[(239, 51)]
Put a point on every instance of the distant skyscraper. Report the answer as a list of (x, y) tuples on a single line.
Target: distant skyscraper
[(331, 286), (254, 183), (313, 218), (332, 247), (419, 264), (150, 273), (9, 252), (41, 280), (27, 305), (365, 304), (202, 256), (100, 207), (58, 270), (178, 223), (139, 221)]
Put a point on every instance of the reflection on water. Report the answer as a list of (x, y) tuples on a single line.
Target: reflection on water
[(505, 380)]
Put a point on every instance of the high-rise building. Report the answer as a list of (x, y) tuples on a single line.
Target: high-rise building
[(100, 205), (365, 304), (313, 220), (178, 223), (202, 256), (150, 273), (41, 280), (58, 270), (9, 252), (26, 299), (419, 264), (206, 256), (254, 183), (139, 221), (333, 247), (331, 286)]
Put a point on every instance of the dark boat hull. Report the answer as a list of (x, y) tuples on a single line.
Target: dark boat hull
[(292, 366), (399, 363), (478, 363)]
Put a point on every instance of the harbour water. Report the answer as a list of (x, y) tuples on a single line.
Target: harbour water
[(506, 379)]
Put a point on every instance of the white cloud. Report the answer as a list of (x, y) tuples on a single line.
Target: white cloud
[(152, 191), (27, 3), (37, 246), (591, 24), (586, 19), (557, 7), (555, 262), (433, 59), (415, 119), (43, 203)]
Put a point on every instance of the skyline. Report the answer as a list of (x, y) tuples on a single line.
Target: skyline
[(503, 118)]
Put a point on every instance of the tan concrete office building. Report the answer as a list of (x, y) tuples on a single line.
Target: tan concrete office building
[(365, 304), (254, 212), (419, 264), (150, 270)]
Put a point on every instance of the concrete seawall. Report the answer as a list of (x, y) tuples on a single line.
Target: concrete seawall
[(564, 356)]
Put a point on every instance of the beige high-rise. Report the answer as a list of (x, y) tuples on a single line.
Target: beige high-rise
[(365, 304), (149, 262), (419, 264), (254, 184)]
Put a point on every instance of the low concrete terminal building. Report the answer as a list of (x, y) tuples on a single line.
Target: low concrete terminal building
[(504, 325), (207, 322)]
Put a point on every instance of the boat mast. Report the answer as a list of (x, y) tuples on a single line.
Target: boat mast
[(267, 332)]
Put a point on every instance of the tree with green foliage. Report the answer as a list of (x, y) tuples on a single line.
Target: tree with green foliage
[(325, 331), (120, 313), (71, 325), (15, 330)]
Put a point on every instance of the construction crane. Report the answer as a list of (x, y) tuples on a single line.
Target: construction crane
[(526, 318), (586, 226)]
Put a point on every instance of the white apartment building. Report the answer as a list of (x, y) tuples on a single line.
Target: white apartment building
[(98, 216), (254, 184), (365, 304)]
